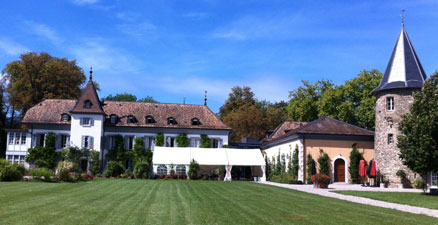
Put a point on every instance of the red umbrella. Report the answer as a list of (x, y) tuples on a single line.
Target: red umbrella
[(373, 172), (362, 169)]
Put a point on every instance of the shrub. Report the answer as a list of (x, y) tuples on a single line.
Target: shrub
[(194, 170), (114, 169), (283, 178), (401, 174), (95, 162), (322, 180), (355, 158), (420, 184), (44, 156), (64, 175), (309, 163), (295, 182), (159, 139), (83, 177), (11, 172), (182, 140), (172, 170), (42, 173), (205, 141), (141, 170), (324, 163)]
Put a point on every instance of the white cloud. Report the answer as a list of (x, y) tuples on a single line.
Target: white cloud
[(138, 30), (12, 48), (44, 31)]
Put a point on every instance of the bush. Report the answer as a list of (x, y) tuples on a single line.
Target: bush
[(141, 170), (64, 175), (324, 163), (11, 172), (355, 158), (95, 162), (42, 173), (159, 139), (194, 170), (205, 141), (420, 184), (182, 140), (401, 174), (83, 177), (322, 180), (283, 178), (114, 169)]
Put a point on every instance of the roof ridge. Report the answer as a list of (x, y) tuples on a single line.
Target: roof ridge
[(163, 103)]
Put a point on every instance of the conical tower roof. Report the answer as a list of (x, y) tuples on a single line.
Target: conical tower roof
[(404, 69), (89, 94)]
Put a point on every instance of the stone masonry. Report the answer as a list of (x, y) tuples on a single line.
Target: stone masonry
[(387, 122)]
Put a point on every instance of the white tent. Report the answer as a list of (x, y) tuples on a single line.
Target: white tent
[(227, 157)]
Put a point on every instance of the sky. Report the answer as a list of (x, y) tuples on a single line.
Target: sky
[(176, 50)]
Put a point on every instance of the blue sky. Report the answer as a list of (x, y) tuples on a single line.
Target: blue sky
[(176, 49)]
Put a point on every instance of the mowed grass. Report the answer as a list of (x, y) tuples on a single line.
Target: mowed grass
[(414, 199), (125, 201)]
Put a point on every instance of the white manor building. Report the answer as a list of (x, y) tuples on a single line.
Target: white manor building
[(90, 123)]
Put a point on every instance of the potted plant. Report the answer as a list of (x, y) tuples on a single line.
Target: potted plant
[(420, 184), (402, 175)]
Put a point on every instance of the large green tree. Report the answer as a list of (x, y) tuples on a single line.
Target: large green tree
[(418, 140), (126, 97), (41, 76)]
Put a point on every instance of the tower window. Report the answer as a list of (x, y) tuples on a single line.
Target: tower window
[(86, 121), (87, 104), (390, 103), (150, 119), (390, 139)]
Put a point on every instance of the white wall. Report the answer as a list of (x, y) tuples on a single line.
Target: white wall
[(77, 130), (287, 149)]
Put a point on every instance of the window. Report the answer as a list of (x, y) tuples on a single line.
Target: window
[(10, 158), (23, 138), (113, 119), (195, 122), (65, 118), (150, 119), (171, 121), (149, 142), (22, 158), (195, 142), (40, 140), (11, 138), (214, 143), (162, 169), (65, 141), (17, 138), (111, 142), (131, 119), (180, 170), (87, 142), (16, 159), (170, 142), (390, 139), (390, 103), (86, 122), (87, 104), (129, 142), (434, 178)]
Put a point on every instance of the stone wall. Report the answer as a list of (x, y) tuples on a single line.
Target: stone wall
[(387, 122)]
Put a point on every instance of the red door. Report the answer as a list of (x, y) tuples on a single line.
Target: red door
[(339, 170)]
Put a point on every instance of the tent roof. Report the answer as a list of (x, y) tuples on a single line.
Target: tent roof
[(208, 156)]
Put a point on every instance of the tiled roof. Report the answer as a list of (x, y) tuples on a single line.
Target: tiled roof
[(50, 111), (89, 94), (325, 125), (283, 128), (404, 69)]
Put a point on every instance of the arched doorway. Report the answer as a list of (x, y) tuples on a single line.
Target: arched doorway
[(339, 170)]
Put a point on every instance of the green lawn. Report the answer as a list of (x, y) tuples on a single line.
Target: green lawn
[(125, 201), (415, 199)]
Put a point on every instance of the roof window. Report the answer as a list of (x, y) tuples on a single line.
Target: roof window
[(65, 117), (196, 122), (87, 104), (171, 121), (149, 120), (113, 119), (131, 119)]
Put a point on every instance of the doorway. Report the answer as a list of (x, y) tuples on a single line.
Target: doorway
[(339, 170)]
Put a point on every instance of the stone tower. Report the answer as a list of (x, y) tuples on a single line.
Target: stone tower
[(403, 76)]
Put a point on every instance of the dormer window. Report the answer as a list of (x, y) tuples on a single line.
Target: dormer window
[(149, 120), (65, 117), (87, 104), (196, 122), (131, 119), (113, 119), (171, 121)]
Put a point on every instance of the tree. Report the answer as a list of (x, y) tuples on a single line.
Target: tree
[(149, 99), (295, 163), (355, 158), (324, 163), (41, 76), (121, 97), (246, 121), (194, 170), (309, 165), (418, 139), (238, 97), (182, 140), (44, 156), (205, 141)]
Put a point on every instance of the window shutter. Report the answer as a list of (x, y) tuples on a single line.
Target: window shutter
[(146, 142), (83, 142), (152, 144), (91, 142), (68, 141), (220, 143), (126, 142), (91, 122), (81, 121), (167, 141)]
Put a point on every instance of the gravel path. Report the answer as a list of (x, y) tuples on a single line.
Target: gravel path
[(361, 200)]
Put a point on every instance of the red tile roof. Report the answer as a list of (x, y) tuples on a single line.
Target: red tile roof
[(285, 127), (50, 111), (89, 94)]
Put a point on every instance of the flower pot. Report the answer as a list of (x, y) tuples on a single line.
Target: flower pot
[(382, 185)]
